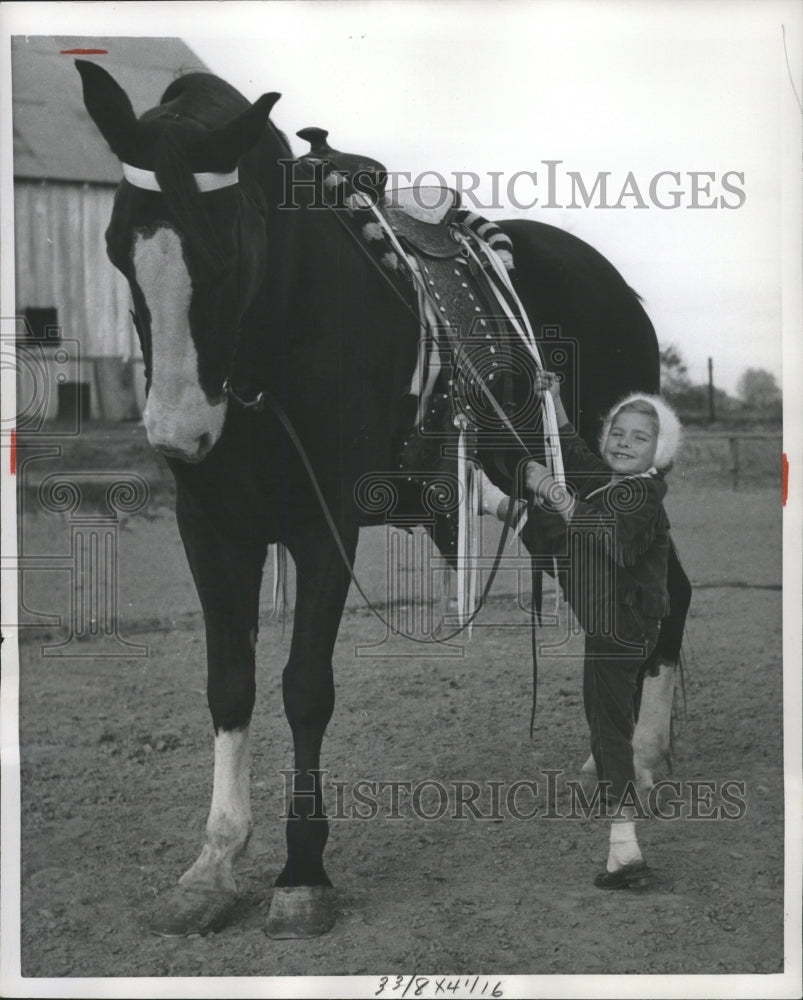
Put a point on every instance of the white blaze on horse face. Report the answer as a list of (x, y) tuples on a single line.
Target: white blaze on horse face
[(178, 417)]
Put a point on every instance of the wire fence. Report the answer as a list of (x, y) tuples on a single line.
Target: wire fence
[(743, 458)]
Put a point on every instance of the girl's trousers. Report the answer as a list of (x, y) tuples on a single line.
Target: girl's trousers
[(610, 683)]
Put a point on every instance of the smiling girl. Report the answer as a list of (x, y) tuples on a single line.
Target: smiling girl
[(611, 529)]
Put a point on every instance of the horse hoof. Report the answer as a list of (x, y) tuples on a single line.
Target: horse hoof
[(303, 911), (182, 912)]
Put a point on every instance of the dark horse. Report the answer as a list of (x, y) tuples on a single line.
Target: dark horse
[(231, 290)]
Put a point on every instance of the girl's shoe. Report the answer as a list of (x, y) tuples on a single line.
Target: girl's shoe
[(633, 876)]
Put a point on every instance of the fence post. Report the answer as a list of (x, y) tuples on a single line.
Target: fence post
[(712, 415), (734, 449)]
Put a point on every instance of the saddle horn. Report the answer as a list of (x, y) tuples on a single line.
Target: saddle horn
[(316, 137), (365, 174)]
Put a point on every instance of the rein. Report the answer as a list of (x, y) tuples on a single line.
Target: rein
[(510, 306), (146, 180), (278, 410)]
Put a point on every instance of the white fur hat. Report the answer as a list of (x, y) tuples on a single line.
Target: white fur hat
[(669, 428)]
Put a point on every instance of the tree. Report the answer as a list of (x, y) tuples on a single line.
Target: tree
[(674, 374), (759, 390)]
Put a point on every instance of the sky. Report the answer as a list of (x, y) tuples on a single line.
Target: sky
[(619, 87), (656, 97)]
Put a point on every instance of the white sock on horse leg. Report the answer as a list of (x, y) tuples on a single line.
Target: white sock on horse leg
[(624, 848), (651, 735)]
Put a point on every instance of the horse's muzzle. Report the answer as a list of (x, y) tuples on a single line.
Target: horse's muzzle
[(186, 431), (205, 445)]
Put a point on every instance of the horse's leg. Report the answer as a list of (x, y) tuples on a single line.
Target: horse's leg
[(227, 574), (302, 904), (651, 739)]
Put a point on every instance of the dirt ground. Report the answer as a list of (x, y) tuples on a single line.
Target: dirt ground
[(116, 756)]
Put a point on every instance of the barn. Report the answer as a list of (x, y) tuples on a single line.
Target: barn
[(77, 353)]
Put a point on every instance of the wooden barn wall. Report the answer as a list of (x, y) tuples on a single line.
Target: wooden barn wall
[(61, 262)]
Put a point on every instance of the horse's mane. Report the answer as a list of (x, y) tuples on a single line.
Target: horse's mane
[(192, 105), (212, 102), (204, 97)]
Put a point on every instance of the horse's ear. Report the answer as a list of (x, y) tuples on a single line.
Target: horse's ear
[(221, 150), (109, 108)]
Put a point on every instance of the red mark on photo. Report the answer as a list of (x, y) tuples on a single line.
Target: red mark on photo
[(84, 52), (12, 455), (784, 478)]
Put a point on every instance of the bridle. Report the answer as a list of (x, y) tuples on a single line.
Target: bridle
[(146, 180)]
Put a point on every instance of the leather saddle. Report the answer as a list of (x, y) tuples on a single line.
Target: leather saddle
[(462, 305), (422, 218)]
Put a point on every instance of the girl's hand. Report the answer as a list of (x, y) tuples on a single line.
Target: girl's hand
[(547, 382), (547, 491), (538, 480)]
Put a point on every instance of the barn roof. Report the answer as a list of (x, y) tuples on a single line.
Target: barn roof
[(54, 137)]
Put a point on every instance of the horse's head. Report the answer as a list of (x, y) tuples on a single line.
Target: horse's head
[(188, 231)]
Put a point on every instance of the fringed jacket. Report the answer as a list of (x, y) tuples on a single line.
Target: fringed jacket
[(612, 555)]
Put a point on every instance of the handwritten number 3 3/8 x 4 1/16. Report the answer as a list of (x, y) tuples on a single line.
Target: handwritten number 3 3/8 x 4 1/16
[(430, 986)]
